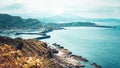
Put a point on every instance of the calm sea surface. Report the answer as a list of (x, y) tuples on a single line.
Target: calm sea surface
[(100, 45)]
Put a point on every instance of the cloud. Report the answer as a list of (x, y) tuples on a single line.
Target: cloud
[(15, 6), (87, 8)]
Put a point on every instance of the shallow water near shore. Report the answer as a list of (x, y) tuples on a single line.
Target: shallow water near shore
[(99, 45)]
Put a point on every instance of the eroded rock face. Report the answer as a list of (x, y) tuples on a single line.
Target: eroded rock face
[(28, 47), (10, 57), (20, 51)]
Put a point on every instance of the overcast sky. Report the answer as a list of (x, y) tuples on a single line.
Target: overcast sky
[(82, 8)]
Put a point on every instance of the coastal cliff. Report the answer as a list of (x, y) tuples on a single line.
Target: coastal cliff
[(22, 53), (28, 47), (30, 53)]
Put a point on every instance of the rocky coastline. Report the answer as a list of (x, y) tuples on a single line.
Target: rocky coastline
[(57, 54), (33, 54), (68, 60), (64, 58)]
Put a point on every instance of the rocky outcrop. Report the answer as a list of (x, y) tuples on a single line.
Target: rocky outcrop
[(79, 58), (69, 60), (66, 58), (10, 57), (28, 47), (96, 65), (26, 54)]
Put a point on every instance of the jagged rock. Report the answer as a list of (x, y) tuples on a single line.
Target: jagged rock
[(10, 57), (28, 47), (96, 65), (33, 53), (79, 58)]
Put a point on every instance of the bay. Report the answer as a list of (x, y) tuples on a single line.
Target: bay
[(100, 45)]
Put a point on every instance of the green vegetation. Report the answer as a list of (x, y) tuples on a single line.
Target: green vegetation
[(8, 21)]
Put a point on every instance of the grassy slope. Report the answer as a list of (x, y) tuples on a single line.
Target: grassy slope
[(20, 53)]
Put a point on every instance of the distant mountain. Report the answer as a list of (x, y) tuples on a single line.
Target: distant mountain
[(106, 20), (59, 19), (8, 21), (68, 18), (71, 24), (74, 24)]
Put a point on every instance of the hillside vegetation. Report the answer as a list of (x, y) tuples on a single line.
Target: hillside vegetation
[(20, 53), (12, 58), (8, 21)]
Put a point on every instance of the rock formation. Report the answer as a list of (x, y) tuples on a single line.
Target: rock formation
[(20, 53)]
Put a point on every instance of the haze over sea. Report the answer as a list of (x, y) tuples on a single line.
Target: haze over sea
[(100, 45)]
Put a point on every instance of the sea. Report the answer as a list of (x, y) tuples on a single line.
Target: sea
[(99, 45)]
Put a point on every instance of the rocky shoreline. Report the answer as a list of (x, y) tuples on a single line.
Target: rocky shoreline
[(68, 60), (63, 58)]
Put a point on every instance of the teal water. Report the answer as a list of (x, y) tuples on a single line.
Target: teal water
[(100, 45)]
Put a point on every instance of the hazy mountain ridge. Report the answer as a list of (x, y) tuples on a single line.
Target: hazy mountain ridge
[(71, 24), (8, 21), (63, 19)]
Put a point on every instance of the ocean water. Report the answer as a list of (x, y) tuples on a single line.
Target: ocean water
[(99, 45)]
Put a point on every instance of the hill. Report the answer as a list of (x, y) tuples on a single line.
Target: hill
[(73, 18), (20, 53), (8, 21)]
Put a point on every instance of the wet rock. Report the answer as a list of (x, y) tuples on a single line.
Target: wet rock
[(79, 58), (28, 47), (61, 47), (55, 44), (96, 65), (54, 51)]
